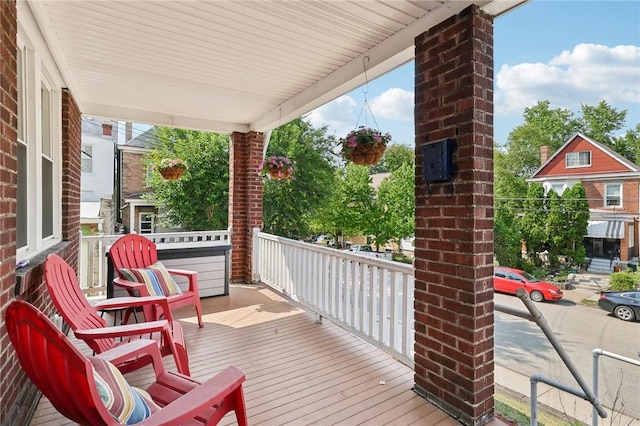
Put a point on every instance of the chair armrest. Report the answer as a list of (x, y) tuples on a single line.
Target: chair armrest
[(130, 302), (123, 330), (181, 272), (134, 349), (134, 302), (199, 399), (131, 286), (191, 275)]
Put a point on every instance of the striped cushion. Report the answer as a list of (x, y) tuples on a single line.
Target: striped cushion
[(156, 277), (127, 404)]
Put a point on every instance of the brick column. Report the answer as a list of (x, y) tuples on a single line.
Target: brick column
[(71, 173), (10, 373), (454, 232), (245, 200)]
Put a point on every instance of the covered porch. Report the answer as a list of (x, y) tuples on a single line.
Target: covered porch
[(243, 69), (299, 372)]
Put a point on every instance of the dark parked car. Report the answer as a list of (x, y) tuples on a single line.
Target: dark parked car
[(509, 280), (625, 305)]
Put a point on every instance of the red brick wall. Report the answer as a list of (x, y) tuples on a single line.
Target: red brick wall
[(133, 174), (18, 395), (596, 195), (9, 371), (601, 161), (454, 233), (71, 172), (245, 200)]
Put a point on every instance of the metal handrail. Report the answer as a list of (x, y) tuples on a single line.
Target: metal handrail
[(596, 357), (536, 316)]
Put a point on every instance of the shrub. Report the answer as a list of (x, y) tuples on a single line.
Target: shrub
[(621, 281), (402, 258)]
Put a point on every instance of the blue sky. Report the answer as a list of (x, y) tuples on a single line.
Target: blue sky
[(571, 53)]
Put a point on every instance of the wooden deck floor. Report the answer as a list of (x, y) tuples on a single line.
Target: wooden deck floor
[(298, 372)]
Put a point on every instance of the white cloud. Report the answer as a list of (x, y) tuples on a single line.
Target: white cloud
[(393, 104), (338, 114), (587, 75)]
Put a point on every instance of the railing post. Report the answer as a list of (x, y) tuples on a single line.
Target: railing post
[(594, 412), (534, 401), (255, 256)]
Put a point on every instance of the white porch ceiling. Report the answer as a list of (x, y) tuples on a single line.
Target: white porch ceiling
[(228, 66)]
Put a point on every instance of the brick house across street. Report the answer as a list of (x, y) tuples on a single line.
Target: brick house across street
[(612, 185)]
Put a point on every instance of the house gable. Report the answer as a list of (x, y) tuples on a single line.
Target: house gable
[(603, 160)]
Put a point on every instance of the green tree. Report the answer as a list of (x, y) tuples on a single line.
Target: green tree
[(394, 157), (507, 241), (290, 206), (350, 206), (542, 126), (629, 144), (393, 216), (199, 200), (534, 222), (601, 122), (576, 219), (556, 228)]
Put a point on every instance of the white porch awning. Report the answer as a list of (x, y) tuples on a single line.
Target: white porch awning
[(613, 229)]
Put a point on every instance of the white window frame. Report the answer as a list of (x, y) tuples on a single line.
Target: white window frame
[(34, 79), (556, 187), (606, 194), (573, 160), (142, 219), (86, 157)]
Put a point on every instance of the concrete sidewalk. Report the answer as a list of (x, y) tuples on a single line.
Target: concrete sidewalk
[(550, 399), (554, 401)]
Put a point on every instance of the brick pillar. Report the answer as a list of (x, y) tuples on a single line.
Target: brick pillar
[(454, 232), (245, 200), (10, 373), (71, 173)]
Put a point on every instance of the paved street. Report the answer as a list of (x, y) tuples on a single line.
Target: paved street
[(521, 346)]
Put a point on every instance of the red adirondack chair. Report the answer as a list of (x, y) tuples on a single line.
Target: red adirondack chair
[(65, 376), (89, 326), (134, 251)]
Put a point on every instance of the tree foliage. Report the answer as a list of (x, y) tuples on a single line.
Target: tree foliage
[(556, 224), (351, 204), (199, 199), (534, 221), (550, 223), (395, 157), (507, 241), (290, 206), (394, 207)]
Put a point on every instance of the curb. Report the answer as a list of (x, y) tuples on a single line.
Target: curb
[(561, 417)]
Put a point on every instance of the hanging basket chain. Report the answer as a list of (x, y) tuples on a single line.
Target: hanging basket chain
[(362, 110), (365, 105), (364, 145)]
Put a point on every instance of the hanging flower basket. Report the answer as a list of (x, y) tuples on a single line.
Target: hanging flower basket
[(172, 168), (364, 146), (366, 155), (277, 168)]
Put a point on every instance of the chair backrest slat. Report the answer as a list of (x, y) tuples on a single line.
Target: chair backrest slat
[(132, 251), (54, 365), (72, 304)]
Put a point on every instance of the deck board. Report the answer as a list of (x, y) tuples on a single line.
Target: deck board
[(298, 372)]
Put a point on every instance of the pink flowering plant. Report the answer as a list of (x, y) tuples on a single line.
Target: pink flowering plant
[(170, 163), (363, 136), (277, 167)]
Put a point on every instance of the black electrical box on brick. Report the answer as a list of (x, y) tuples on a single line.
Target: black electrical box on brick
[(437, 161)]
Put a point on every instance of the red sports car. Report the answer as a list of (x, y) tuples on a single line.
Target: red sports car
[(509, 280)]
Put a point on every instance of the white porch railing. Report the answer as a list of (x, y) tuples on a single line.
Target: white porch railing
[(370, 297), (93, 253)]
